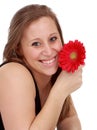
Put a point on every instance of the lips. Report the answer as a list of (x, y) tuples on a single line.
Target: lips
[(48, 62)]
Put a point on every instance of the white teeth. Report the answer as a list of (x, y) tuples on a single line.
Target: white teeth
[(48, 61)]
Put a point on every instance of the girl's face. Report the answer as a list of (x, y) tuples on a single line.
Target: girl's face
[(40, 45)]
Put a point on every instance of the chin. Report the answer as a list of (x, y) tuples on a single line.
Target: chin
[(51, 72)]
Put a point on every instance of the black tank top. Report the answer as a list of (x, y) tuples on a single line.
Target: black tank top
[(37, 101)]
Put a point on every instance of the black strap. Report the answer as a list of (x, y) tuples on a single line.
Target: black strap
[(1, 123), (37, 100)]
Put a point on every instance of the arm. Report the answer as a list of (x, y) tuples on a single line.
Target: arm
[(69, 119), (17, 99)]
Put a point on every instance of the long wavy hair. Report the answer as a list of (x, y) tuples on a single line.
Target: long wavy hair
[(19, 22)]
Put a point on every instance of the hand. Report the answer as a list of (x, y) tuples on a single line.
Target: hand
[(69, 82)]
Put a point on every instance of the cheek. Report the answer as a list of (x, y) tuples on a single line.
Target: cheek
[(31, 54), (58, 46), (34, 54)]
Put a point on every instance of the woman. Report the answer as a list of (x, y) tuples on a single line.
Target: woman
[(34, 91)]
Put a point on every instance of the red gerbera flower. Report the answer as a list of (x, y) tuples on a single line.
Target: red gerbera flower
[(72, 55)]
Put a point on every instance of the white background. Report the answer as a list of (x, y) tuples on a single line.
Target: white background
[(78, 19)]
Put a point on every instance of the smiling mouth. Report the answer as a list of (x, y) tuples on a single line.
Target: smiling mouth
[(48, 62)]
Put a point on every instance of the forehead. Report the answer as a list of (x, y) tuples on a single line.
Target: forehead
[(41, 23)]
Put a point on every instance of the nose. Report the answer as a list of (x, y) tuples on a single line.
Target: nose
[(47, 51)]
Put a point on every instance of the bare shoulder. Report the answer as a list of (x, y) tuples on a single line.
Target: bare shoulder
[(16, 74), (13, 67), (17, 95)]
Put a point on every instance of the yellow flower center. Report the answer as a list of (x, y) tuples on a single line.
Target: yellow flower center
[(73, 55)]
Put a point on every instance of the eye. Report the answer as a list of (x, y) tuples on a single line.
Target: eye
[(36, 44), (52, 39)]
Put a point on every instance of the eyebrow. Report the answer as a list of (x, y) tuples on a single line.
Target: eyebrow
[(33, 39), (37, 38), (54, 33)]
